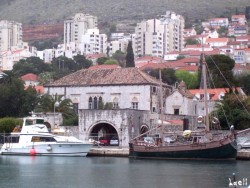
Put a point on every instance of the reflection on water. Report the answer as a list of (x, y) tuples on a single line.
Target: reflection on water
[(102, 172)]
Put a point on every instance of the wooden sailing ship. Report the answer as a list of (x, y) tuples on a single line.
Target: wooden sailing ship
[(201, 143)]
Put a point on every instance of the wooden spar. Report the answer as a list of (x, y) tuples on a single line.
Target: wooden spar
[(204, 74)]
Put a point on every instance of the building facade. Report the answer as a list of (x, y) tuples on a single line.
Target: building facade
[(11, 34), (111, 101), (156, 37), (77, 26)]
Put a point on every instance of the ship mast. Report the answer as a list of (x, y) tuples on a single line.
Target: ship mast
[(161, 115), (204, 74)]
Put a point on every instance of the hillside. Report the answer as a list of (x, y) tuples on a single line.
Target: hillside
[(43, 19), (47, 11)]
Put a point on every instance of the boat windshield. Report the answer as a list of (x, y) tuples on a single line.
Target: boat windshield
[(34, 121), (39, 121)]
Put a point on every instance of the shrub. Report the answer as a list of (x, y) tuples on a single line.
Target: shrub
[(8, 124)]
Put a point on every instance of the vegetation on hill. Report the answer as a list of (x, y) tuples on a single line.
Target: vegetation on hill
[(112, 11)]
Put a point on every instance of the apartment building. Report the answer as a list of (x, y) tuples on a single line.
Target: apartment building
[(93, 42), (10, 34), (77, 26), (156, 37)]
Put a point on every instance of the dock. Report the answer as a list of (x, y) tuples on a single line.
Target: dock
[(109, 151), (243, 154)]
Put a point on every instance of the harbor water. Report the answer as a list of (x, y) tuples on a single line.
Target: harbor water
[(115, 172)]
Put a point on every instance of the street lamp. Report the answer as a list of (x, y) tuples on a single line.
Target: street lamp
[(56, 104)]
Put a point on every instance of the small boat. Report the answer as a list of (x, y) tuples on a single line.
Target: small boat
[(201, 143), (34, 139)]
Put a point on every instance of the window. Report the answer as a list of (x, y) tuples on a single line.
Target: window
[(90, 103), (115, 103), (96, 103), (176, 111), (135, 105), (75, 107)]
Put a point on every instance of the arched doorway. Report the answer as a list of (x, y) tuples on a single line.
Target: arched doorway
[(104, 134), (144, 129)]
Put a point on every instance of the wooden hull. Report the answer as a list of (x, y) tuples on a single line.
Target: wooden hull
[(215, 150)]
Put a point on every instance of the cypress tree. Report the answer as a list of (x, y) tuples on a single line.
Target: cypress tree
[(130, 62)]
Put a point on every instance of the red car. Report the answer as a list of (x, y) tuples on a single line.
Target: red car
[(103, 141)]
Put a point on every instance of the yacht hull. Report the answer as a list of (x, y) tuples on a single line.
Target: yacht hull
[(51, 149)]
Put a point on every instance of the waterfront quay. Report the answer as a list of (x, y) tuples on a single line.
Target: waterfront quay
[(110, 151), (113, 151)]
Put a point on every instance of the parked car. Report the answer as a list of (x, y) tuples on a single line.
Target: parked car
[(103, 141), (114, 141), (244, 145)]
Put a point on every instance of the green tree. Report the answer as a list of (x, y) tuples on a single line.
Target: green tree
[(120, 57), (167, 75), (82, 62), (191, 41), (220, 70), (190, 79), (30, 65), (101, 60), (236, 108), (111, 62), (244, 82), (19, 102), (130, 62)]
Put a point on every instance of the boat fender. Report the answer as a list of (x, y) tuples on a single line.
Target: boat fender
[(200, 119), (32, 152), (49, 148)]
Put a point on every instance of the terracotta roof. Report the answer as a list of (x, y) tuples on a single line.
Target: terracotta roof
[(29, 77), (239, 16), (209, 40), (94, 67), (214, 93), (101, 77)]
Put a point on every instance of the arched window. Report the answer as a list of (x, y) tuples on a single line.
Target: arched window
[(135, 103), (115, 103), (100, 104), (90, 103), (95, 103)]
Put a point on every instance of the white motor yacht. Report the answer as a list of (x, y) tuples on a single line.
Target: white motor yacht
[(35, 139)]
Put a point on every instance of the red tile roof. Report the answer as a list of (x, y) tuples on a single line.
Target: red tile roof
[(214, 93), (94, 67), (29, 77), (101, 77)]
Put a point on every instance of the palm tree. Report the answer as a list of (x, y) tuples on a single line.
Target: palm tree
[(47, 103)]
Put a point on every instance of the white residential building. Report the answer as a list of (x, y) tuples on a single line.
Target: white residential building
[(120, 44), (93, 42), (156, 37), (76, 27), (218, 22), (46, 55), (10, 34)]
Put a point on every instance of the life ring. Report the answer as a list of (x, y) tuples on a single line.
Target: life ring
[(200, 119), (215, 120)]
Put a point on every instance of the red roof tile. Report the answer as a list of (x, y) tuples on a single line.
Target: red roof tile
[(29, 77)]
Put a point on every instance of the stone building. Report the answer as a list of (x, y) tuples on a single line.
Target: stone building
[(121, 102)]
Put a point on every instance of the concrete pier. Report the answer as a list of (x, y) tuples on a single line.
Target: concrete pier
[(243, 154), (109, 151)]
